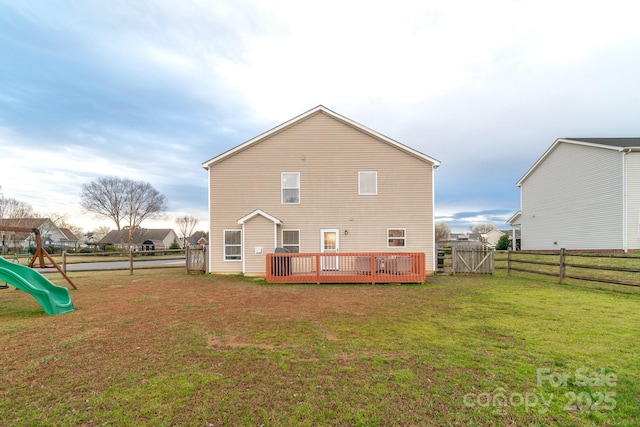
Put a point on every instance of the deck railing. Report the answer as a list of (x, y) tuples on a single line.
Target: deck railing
[(346, 267)]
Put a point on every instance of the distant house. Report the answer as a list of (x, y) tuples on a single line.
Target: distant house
[(489, 238), (582, 194), (514, 233), (70, 242), (492, 237), (143, 239), (50, 234), (319, 182), (199, 238)]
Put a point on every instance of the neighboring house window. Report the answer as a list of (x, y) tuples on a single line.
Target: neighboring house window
[(368, 183), (232, 245), (290, 187), (291, 240), (396, 238)]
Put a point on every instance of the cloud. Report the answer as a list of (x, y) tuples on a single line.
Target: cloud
[(151, 89)]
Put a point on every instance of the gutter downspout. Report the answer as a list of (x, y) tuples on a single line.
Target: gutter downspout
[(242, 250), (625, 207)]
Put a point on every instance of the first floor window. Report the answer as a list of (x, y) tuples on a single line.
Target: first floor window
[(291, 240), (232, 245), (396, 238), (290, 187)]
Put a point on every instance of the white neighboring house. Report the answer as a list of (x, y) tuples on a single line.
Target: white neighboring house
[(582, 194)]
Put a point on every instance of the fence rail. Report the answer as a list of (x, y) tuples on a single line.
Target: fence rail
[(619, 269), (360, 267)]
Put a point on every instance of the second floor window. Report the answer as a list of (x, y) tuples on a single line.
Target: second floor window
[(290, 187), (368, 183)]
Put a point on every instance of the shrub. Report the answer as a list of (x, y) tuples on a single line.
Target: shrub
[(503, 243)]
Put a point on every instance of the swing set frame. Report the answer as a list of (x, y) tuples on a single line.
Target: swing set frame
[(40, 253)]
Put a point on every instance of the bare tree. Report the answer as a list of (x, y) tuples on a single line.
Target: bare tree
[(92, 237), (14, 209), (124, 201), (62, 221), (186, 224), (442, 231), (483, 228), (99, 232)]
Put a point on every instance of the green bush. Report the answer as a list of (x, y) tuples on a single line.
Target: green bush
[(503, 243), (174, 244)]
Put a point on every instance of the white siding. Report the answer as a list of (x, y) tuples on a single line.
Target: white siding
[(633, 200), (574, 200)]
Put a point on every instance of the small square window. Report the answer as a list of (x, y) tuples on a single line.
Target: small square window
[(368, 183), (291, 240), (396, 238)]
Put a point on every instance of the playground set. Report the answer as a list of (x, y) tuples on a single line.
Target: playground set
[(53, 298)]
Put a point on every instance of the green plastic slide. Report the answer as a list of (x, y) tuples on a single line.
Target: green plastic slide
[(53, 298)]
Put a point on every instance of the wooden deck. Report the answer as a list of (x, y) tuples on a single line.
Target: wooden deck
[(361, 267)]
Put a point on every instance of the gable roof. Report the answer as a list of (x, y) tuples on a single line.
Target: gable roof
[(199, 237), (617, 144), (31, 223), (262, 213), (23, 222), (139, 235), (328, 112), (69, 234)]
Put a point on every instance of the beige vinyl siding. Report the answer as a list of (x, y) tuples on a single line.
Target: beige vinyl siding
[(258, 232), (574, 200), (328, 154), (633, 200)]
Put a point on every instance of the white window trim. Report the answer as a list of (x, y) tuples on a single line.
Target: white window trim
[(397, 238), (360, 193), (299, 243), (224, 245), (282, 188)]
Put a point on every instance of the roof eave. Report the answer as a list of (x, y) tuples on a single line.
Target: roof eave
[(569, 141)]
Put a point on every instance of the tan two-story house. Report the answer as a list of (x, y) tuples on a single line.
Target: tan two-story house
[(318, 182)]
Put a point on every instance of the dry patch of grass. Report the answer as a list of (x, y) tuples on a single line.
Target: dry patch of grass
[(165, 348)]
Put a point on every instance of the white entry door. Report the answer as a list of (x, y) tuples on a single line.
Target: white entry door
[(329, 244)]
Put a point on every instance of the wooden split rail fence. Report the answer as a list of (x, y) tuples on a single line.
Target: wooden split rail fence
[(618, 269)]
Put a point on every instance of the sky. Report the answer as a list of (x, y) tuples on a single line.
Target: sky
[(149, 90)]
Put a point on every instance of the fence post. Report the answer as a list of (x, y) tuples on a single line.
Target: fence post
[(562, 265), (454, 255), (64, 261), (508, 261)]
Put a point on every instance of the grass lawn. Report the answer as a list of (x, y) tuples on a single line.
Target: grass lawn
[(164, 348)]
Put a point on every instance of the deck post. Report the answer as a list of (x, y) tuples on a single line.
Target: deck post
[(373, 269)]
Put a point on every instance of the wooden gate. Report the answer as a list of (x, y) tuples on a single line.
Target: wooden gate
[(473, 260), (196, 260)]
